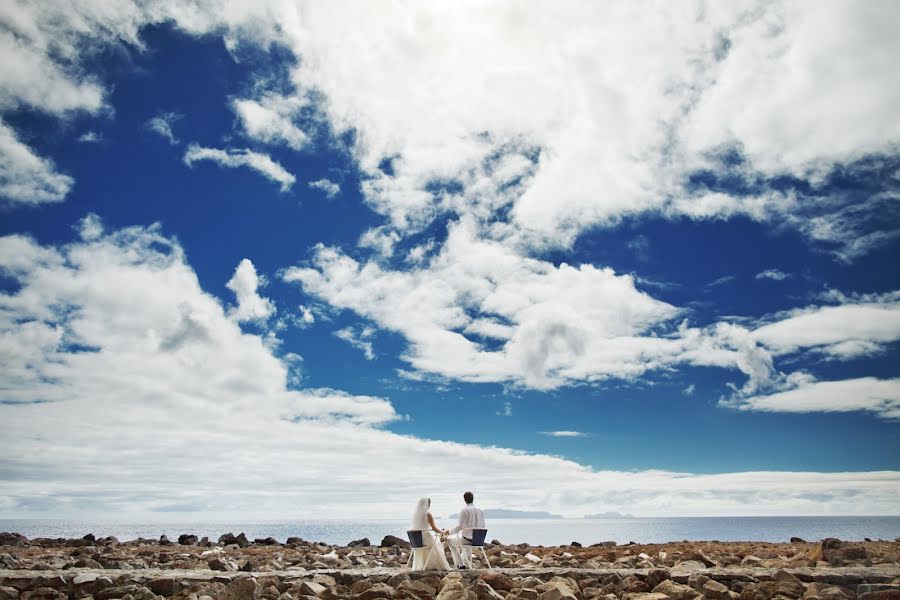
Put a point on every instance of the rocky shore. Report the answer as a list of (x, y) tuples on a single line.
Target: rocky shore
[(234, 567)]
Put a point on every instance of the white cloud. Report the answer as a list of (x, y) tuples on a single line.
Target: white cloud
[(112, 338), (330, 188), (251, 306), (90, 137), (879, 396), (25, 177), (857, 327), (162, 124), (232, 158), (689, 390), (773, 274), (380, 239), (271, 119), (507, 410), (564, 434), (306, 315), (360, 338)]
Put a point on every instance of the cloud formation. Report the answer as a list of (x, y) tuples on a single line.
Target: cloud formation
[(328, 187), (251, 306), (233, 158), (111, 338), (25, 177), (162, 124), (270, 119)]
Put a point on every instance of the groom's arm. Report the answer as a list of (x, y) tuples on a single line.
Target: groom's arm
[(459, 526)]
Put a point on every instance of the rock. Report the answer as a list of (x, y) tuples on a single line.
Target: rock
[(697, 581), (796, 540), (892, 594), (690, 565), (645, 596), (269, 541), (229, 538), (44, 593), (392, 540), (558, 593), (524, 593), (823, 591), (575, 545), (243, 588), (13, 539), (532, 558), (247, 567), (714, 590), (656, 576), (187, 539), (221, 564), (164, 540), (484, 591), (836, 552), (634, 584), (751, 560), (311, 588), (358, 543), (676, 591), (87, 563), (8, 593), (89, 538), (789, 589), (378, 590), (165, 586), (294, 541), (498, 581)]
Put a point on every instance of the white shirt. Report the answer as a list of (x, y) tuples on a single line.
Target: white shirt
[(469, 518)]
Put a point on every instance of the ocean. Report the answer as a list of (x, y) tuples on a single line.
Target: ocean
[(544, 532)]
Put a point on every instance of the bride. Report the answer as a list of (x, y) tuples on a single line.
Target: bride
[(422, 520)]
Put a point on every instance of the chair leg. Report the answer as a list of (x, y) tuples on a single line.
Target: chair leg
[(487, 562), (412, 553)]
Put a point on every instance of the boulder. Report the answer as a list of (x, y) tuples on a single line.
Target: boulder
[(164, 540), (532, 558), (187, 539), (44, 593), (229, 538), (358, 543), (244, 588), (796, 540), (656, 576), (164, 586), (221, 564), (484, 591), (892, 594), (837, 553), (13, 539), (498, 581), (823, 591), (8, 593), (311, 588), (376, 591), (676, 591), (714, 590), (295, 541), (267, 541), (645, 596), (87, 563), (392, 540)]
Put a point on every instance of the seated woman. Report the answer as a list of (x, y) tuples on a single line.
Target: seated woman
[(428, 557)]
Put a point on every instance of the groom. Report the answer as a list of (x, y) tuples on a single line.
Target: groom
[(469, 518)]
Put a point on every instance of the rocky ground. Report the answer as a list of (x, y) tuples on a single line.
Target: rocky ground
[(233, 568)]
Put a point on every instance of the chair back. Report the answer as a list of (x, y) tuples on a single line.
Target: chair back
[(478, 536), (415, 538)]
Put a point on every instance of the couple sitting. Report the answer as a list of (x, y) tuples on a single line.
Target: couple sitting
[(457, 538)]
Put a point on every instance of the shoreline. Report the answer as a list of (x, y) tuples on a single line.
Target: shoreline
[(234, 567)]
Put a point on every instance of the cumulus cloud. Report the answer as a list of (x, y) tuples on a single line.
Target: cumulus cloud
[(360, 338), (564, 434), (162, 124), (251, 306), (773, 274), (232, 158), (689, 390), (112, 337), (270, 119), (328, 187), (879, 396), (25, 177)]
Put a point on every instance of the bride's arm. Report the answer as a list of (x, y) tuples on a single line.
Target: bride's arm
[(433, 526)]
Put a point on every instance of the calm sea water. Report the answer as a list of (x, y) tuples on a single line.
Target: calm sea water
[(509, 531)]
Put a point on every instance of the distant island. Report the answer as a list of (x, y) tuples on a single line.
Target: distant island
[(609, 515), (503, 513)]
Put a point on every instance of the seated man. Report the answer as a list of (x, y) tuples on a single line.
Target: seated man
[(469, 518)]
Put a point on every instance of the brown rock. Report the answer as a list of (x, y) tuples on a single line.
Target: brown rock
[(893, 594), (243, 588), (8, 593), (164, 587), (823, 591), (498, 581), (656, 576), (676, 591), (646, 596), (484, 591), (714, 590), (376, 591), (44, 593)]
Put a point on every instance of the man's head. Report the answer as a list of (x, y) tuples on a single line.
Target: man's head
[(469, 497)]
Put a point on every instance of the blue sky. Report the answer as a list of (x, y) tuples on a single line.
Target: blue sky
[(576, 280)]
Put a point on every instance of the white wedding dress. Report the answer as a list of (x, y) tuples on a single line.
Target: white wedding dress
[(429, 557)]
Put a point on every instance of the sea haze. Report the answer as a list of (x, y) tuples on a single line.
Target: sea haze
[(545, 532)]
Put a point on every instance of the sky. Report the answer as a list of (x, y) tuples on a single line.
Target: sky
[(283, 259)]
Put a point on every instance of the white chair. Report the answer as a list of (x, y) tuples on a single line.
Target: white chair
[(417, 545), (477, 543)]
